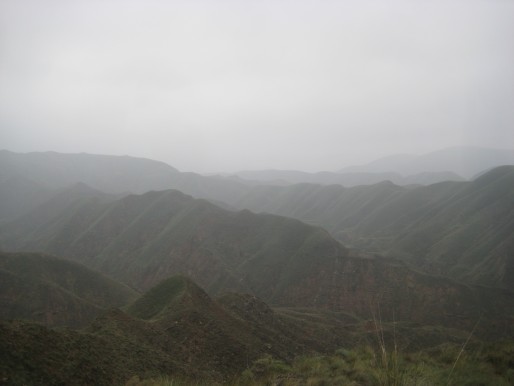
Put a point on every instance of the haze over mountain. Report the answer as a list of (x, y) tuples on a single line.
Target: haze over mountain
[(326, 293), (288, 177), (464, 161), (29, 179), (110, 174), (268, 193), (449, 164), (142, 239), (462, 229), (378, 218), (238, 87)]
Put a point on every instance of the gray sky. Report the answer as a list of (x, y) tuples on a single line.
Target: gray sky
[(228, 85)]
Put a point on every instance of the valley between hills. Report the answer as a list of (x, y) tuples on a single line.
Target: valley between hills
[(126, 271)]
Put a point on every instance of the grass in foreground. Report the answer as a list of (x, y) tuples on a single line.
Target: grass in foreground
[(479, 364)]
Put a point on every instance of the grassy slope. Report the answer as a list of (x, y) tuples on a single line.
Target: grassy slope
[(175, 330), (54, 291)]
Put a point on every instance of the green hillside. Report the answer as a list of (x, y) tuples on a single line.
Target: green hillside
[(54, 291), (141, 240), (461, 229)]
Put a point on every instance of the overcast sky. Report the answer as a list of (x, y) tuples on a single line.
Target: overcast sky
[(227, 85)]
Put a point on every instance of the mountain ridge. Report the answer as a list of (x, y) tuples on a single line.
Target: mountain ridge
[(431, 227), (143, 239), (54, 291), (466, 161)]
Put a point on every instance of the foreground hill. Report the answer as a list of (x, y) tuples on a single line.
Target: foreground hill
[(54, 291), (140, 240), (461, 229), (174, 329), (177, 331)]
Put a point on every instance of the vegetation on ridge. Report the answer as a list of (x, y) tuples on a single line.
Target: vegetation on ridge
[(55, 291)]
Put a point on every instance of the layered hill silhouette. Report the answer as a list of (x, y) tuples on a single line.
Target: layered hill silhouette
[(27, 180), (111, 174), (317, 295), (465, 161), (461, 229), (349, 179), (142, 239), (54, 291)]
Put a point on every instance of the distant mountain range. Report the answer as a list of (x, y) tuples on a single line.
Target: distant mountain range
[(267, 284), (288, 177), (382, 218), (27, 180), (461, 229), (451, 164), (143, 239), (464, 161)]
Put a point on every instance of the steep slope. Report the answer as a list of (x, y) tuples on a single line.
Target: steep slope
[(141, 240), (214, 334), (465, 161), (55, 291), (462, 229), (471, 232)]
